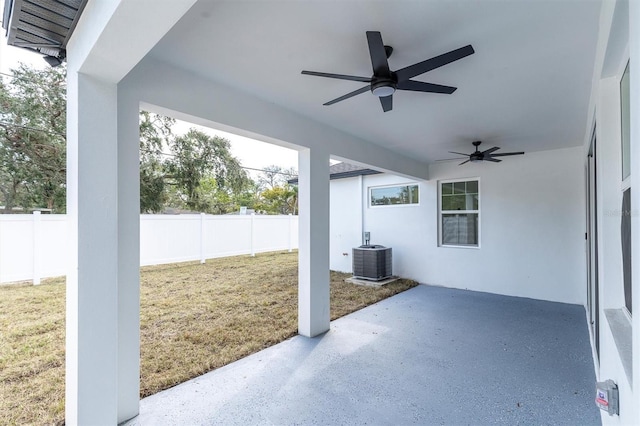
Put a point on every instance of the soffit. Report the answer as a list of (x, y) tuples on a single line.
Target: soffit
[(526, 88)]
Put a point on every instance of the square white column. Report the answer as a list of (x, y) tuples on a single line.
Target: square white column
[(128, 257), (103, 278), (313, 255)]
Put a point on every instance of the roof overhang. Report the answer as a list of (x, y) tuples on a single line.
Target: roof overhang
[(344, 170), (43, 26)]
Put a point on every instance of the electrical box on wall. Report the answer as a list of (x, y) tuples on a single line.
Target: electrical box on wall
[(607, 397)]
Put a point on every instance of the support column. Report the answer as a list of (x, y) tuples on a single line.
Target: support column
[(313, 254), (128, 257), (92, 328), (102, 376)]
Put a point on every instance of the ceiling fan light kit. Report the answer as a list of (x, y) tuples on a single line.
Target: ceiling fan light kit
[(384, 82), (383, 88)]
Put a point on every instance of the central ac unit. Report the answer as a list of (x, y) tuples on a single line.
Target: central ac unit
[(372, 262)]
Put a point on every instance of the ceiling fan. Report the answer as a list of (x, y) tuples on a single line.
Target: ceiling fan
[(384, 82), (486, 155)]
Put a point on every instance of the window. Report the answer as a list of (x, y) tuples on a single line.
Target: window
[(459, 213), (625, 225), (394, 195), (625, 110), (626, 247)]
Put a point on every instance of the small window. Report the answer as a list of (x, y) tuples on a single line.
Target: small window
[(626, 247), (459, 213), (625, 112), (625, 115), (394, 195)]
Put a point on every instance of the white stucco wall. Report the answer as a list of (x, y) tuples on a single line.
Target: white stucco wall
[(531, 225), (531, 228), (406, 228), (619, 33), (346, 222), (610, 276)]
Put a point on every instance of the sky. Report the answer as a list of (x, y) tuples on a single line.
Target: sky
[(251, 153)]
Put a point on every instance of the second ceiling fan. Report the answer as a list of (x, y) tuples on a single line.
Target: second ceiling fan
[(486, 155), (384, 82)]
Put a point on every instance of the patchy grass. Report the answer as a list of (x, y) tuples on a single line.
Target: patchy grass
[(194, 318), (32, 353)]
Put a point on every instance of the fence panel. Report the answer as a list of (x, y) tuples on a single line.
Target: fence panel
[(16, 247), (52, 246), (169, 238), (271, 233), (227, 236), (35, 246)]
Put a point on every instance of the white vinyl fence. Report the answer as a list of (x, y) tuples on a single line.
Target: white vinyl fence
[(35, 246)]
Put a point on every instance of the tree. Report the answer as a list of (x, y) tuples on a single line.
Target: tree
[(197, 157), (279, 200), (155, 135), (277, 196), (274, 176), (195, 170), (33, 139), (247, 197)]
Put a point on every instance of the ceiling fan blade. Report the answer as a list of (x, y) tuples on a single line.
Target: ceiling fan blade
[(387, 103), (430, 64), (464, 162), (490, 150), (448, 159), (459, 153), (348, 95), (495, 160), (378, 54), (338, 76), (419, 86), (504, 154)]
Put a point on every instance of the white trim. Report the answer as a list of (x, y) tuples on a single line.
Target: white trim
[(439, 213), (396, 185), (625, 182), (459, 247)]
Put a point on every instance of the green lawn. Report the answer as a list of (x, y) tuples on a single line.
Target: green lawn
[(194, 318)]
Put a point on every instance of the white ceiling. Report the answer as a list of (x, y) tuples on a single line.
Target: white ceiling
[(526, 87)]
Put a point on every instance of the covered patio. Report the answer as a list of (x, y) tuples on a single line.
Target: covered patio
[(430, 355), (557, 80)]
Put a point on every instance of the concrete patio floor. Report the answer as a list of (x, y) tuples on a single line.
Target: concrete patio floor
[(429, 355)]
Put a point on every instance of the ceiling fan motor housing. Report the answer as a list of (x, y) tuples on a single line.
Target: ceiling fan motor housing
[(477, 155)]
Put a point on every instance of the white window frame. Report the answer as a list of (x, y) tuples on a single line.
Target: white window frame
[(478, 212), (395, 185), (625, 182)]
